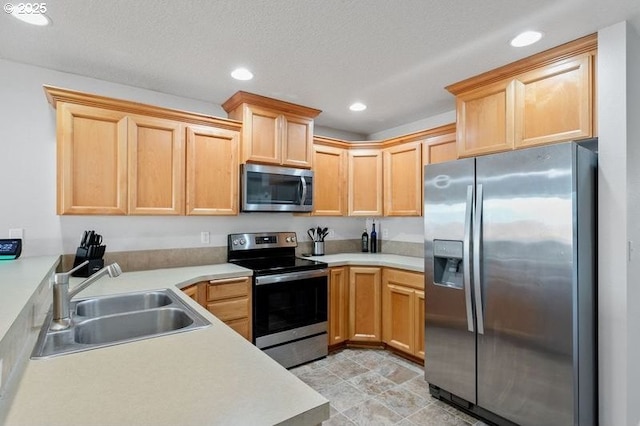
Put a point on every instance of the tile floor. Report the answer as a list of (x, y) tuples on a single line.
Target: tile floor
[(376, 387)]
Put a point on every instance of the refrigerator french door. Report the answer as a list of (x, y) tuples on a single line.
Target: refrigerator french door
[(509, 285)]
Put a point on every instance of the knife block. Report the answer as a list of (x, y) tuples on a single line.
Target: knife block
[(94, 265)]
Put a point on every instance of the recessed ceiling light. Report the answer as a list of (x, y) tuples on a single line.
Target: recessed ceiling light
[(32, 18), (526, 38), (357, 106), (242, 74)]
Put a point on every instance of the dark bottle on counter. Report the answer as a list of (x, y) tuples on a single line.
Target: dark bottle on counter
[(374, 239), (365, 241)]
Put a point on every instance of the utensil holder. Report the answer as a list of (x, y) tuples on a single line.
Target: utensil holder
[(318, 248)]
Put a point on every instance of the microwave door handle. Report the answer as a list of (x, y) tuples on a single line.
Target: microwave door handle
[(303, 195)]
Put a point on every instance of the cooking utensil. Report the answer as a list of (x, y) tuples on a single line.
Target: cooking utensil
[(311, 232)]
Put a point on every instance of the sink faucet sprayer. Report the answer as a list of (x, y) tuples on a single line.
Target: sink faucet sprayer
[(62, 295)]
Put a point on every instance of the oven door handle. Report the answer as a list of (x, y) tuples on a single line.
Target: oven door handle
[(291, 276)]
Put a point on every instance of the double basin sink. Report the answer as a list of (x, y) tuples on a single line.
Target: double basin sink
[(110, 320)]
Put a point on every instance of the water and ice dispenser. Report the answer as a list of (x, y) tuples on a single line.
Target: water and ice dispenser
[(447, 263)]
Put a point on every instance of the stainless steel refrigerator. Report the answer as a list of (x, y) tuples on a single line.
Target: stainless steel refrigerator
[(510, 301)]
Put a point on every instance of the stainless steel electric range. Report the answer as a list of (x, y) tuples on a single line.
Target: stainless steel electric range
[(289, 296)]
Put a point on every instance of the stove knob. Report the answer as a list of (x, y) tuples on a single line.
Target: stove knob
[(235, 242), (242, 242), (293, 239), (288, 239)]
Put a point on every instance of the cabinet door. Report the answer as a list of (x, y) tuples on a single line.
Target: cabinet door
[(92, 161), (398, 317), (365, 182), (297, 141), (338, 305), (485, 119), (192, 292), (419, 324), (439, 149), (156, 166), (329, 181), (554, 103), (403, 180), (365, 310), (212, 171), (261, 135)]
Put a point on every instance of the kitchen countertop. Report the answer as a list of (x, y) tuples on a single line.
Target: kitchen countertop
[(205, 376), (372, 259), (19, 279)]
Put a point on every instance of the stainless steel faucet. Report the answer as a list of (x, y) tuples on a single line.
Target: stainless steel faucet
[(62, 296)]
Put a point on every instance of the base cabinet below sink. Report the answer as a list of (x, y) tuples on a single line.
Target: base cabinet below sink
[(228, 299)]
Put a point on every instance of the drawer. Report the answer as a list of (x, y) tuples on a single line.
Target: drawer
[(230, 309), (227, 289)]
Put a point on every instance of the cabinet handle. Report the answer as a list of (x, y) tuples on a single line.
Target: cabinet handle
[(229, 280)]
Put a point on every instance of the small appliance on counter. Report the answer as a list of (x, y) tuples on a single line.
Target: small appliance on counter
[(92, 250), (10, 249)]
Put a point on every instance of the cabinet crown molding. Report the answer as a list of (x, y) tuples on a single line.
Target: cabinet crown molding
[(242, 97), (552, 56), (58, 94), (386, 143)]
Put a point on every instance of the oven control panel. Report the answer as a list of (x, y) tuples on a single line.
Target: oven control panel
[(261, 240)]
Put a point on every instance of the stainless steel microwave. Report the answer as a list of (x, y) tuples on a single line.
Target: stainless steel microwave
[(276, 189)]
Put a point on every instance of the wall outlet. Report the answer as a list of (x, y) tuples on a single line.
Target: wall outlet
[(204, 237), (16, 233), (331, 234), (385, 233)]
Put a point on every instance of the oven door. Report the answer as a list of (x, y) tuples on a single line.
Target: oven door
[(289, 306)]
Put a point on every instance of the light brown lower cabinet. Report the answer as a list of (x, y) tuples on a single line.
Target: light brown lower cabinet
[(228, 299), (192, 292), (338, 305), (365, 313), (403, 311)]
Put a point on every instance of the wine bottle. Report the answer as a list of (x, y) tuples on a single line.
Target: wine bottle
[(374, 239), (365, 241)]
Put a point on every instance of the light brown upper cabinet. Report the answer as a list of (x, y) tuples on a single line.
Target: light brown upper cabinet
[(403, 179), (273, 131), (485, 119), (545, 98), (156, 166), (212, 171), (91, 160), (118, 157), (330, 179), (440, 147), (365, 182), (554, 103)]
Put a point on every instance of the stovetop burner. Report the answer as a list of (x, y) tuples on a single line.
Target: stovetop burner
[(268, 253)]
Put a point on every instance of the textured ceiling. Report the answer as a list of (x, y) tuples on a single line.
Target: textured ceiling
[(394, 55)]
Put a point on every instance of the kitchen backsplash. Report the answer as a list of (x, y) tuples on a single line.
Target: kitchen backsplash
[(141, 260)]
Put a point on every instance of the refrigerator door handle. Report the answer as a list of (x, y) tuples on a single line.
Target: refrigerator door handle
[(477, 254), (466, 255)]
